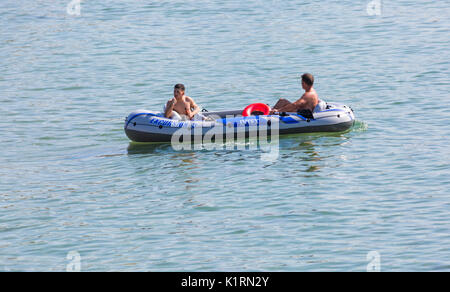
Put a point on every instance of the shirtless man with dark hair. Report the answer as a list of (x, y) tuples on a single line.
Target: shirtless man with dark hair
[(181, 104), (307, 102)]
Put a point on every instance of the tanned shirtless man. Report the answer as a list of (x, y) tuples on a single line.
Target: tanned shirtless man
[(306, 103), (181, 104)]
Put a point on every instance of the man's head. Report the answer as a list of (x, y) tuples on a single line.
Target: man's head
[(178, 90), (307, 81)]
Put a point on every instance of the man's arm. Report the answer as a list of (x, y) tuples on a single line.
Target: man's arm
[(195, 108), (169, 108), (301, 103), (293, 107)]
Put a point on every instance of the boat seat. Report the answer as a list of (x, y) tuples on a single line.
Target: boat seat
[(321, 106)]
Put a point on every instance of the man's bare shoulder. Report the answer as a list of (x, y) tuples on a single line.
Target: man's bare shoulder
[(311, 94), (189, 99), (305, 97)]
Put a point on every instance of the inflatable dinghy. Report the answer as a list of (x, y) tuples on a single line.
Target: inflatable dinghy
[(152, 126)]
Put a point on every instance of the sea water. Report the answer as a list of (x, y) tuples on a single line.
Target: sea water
[(76, 194)]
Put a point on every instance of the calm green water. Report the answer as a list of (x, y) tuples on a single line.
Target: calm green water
[(70, 180)]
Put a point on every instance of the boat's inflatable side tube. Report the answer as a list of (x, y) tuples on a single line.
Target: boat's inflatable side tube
[(150, 126)]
